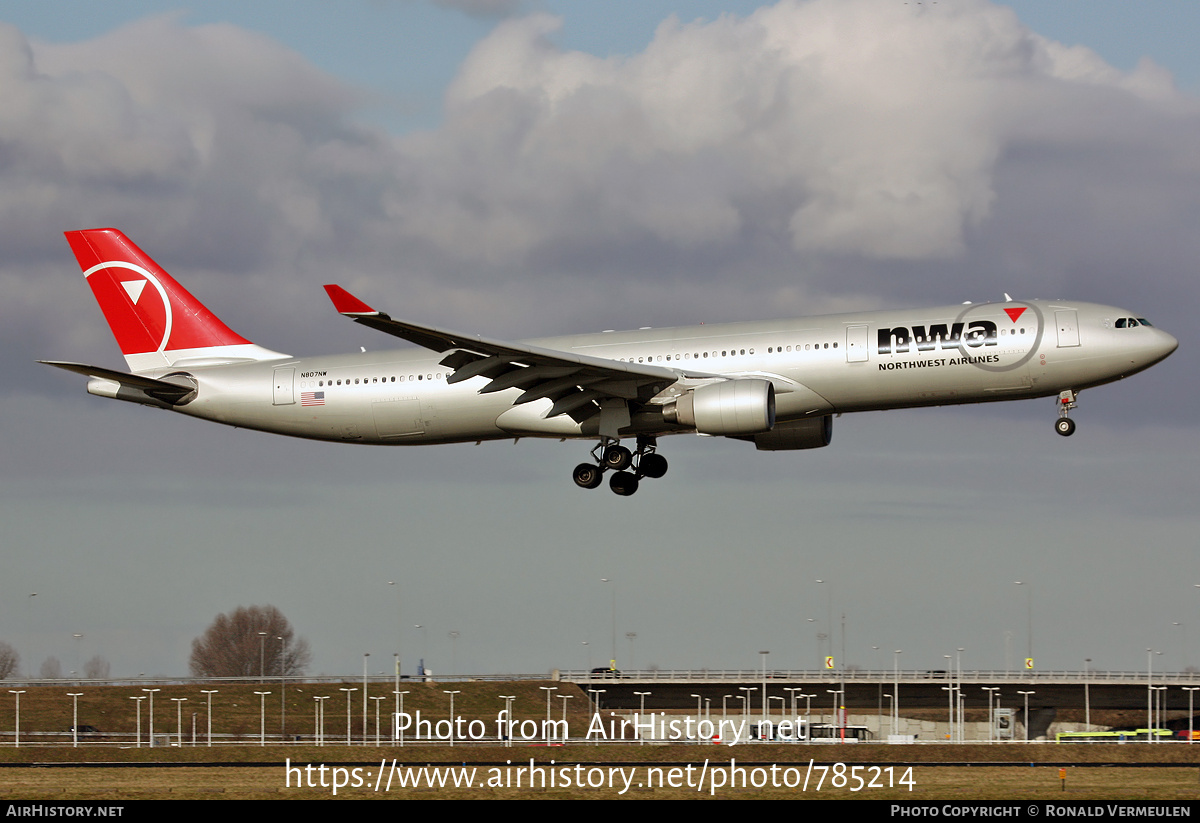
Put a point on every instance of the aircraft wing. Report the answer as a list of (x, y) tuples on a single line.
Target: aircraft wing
[(576, 383)]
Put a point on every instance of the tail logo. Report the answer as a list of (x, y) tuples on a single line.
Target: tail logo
[(133, 288), (150, 317)]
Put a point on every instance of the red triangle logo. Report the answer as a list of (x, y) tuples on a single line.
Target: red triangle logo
[(1013, 314)]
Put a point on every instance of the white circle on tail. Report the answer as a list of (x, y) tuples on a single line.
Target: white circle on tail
[(135, 292)]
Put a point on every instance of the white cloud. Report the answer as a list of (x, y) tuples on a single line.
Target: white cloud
[(862, 128)]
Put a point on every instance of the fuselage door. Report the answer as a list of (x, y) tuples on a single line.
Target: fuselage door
[(856, 344), (1068, 328), (284, 379)]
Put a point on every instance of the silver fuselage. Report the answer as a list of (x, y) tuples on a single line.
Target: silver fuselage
[(822, 365)]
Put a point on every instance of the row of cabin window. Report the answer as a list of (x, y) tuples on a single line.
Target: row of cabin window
[(368, 381), (730, 353)]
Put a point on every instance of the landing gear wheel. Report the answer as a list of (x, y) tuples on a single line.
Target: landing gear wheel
[(1064, 426), (618, 458), (652, 465), (623, 483), (587, 476)]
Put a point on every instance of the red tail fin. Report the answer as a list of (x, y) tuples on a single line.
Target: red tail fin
[(156, 321)]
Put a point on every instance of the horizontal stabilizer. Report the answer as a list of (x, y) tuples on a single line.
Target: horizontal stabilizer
[(110, 383)]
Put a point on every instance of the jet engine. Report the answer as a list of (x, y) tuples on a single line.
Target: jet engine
[(731, 407)]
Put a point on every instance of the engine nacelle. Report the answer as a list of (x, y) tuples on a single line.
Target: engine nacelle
[(731, 407), (810, 433)]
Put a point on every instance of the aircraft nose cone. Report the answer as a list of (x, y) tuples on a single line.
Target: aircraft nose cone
[(1167, 344)]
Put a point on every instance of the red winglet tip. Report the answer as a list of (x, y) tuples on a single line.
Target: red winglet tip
[(347, 303)]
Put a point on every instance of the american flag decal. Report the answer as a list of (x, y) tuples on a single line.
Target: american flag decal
[(312, 398)]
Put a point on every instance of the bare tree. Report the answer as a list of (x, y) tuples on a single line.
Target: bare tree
[(249, 642), (96, 668), (9, 660), (51, 669)]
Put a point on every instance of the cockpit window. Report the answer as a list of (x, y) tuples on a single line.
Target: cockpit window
[(1143, 321), (1127, 323)]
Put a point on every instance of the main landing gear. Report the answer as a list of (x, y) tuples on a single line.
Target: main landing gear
[(1064, 425), (611, 455)]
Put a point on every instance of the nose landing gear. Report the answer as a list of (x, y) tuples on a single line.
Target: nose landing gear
[(610, 454), (1064, 425)]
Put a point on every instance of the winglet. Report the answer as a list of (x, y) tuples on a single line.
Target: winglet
[(347, 304)]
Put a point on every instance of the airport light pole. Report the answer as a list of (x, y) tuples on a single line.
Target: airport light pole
[(179, 701), (453, 692), (75, 718), (209, 693), (782, 707), (262, 662), (1189, 690), (320, 699), (262, 717), (548, 690), (399, 712), (377, 698), (1159, 700), (564, 698), (139, 700), (991, 718), (508, 721), (151, 715), (746, 705), (348, 691), (808, 714), (836, 719)]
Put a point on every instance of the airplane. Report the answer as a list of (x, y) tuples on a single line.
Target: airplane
[(776, 384)]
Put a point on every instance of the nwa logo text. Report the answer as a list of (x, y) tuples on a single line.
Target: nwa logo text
[(940, 336)]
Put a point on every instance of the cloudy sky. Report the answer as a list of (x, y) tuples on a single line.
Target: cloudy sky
[(522, 168)]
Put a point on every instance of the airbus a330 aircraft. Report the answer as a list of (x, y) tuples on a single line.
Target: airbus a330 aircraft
[(776, 384)]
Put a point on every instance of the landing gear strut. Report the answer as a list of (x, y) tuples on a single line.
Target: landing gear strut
[(610, 454), (1064, 425)]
